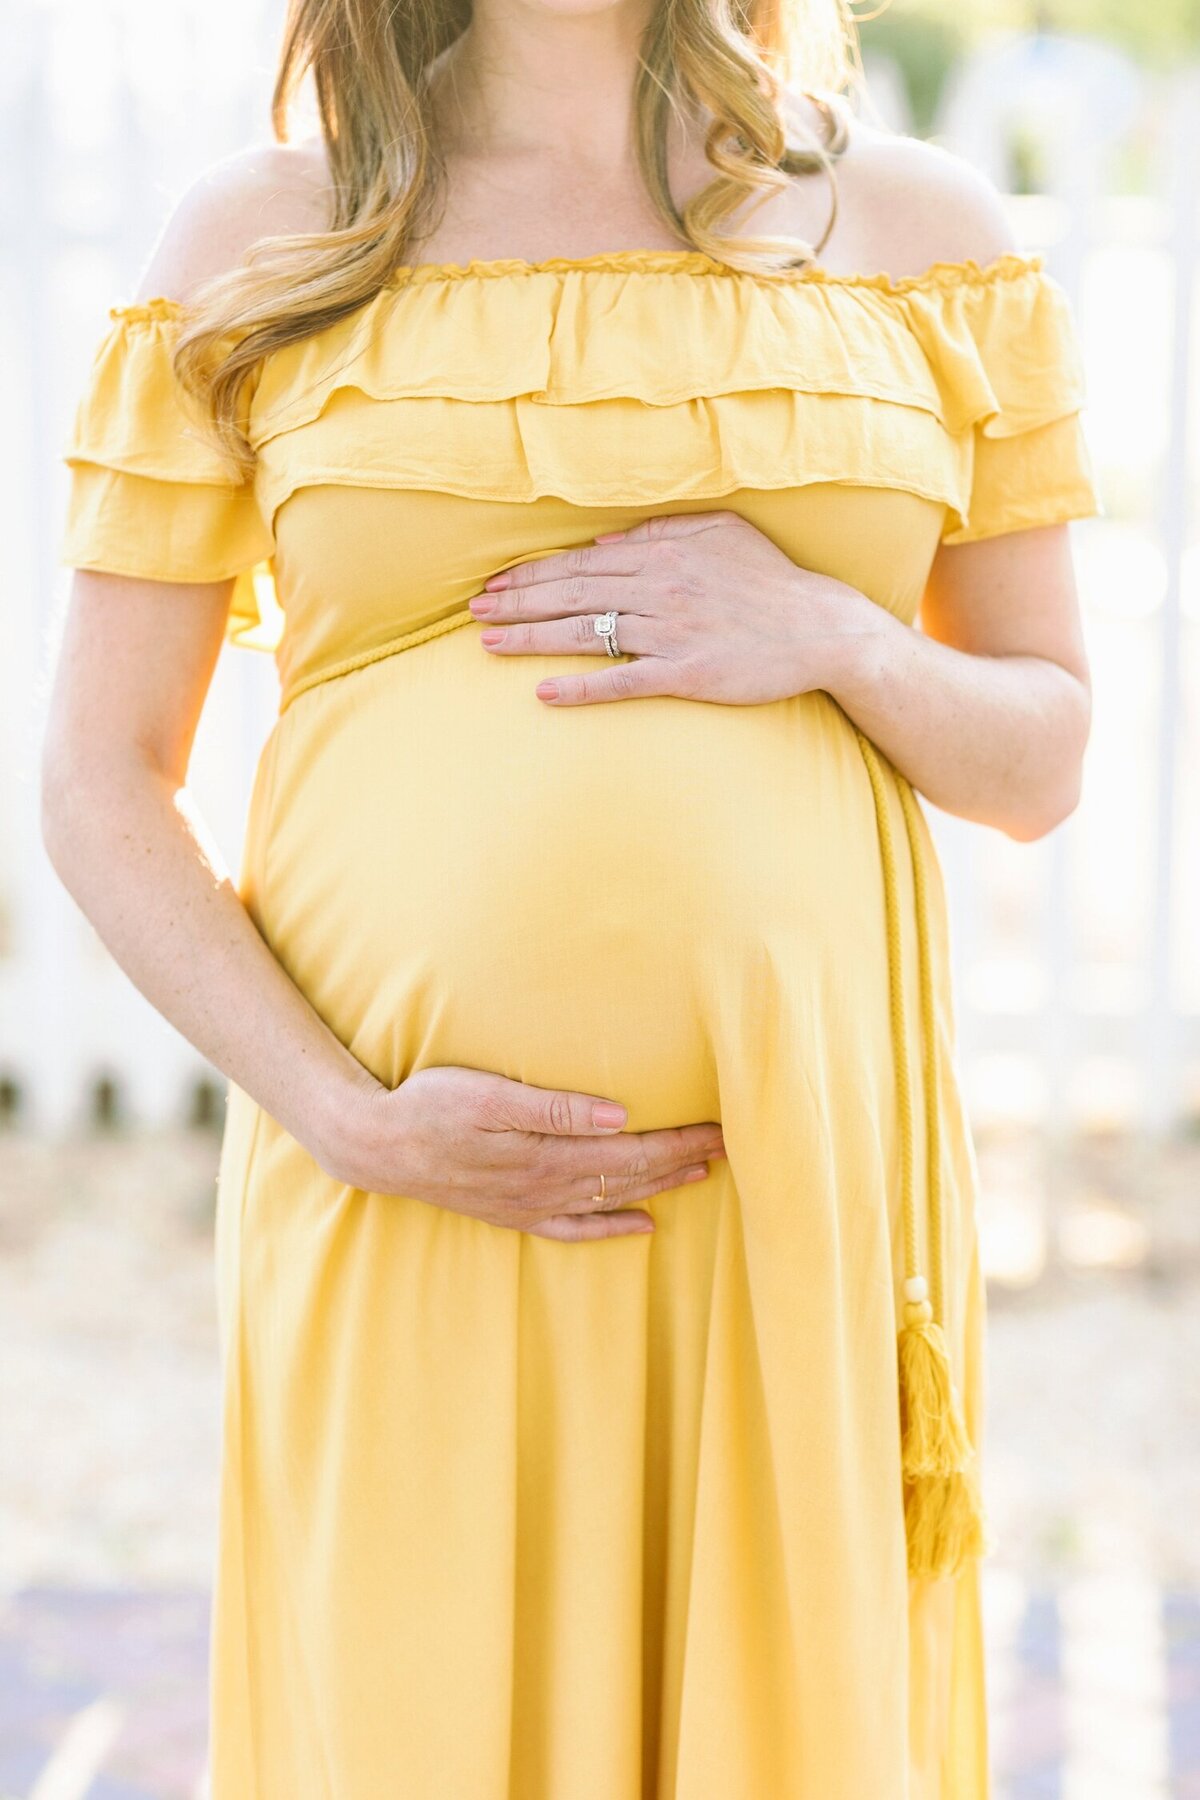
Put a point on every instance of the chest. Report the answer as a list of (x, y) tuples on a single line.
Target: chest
[(357, 566), (472, 417)]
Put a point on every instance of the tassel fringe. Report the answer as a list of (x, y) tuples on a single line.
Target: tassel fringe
[(933, 1434), (943, 1509), (944, 1523)]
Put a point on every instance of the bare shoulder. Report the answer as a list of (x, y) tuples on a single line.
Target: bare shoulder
[(265, 190), (904, 203)]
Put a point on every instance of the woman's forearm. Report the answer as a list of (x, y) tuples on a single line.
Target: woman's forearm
[(128, 844), (995, 739)]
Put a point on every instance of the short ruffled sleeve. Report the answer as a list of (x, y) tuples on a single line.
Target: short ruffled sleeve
[(1006, 355), (150, 493)]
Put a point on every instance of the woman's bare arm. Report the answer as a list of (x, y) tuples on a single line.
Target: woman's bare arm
[(123, 833), (987, 709), (118, 820)]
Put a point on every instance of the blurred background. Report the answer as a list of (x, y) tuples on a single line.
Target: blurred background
[(1078, 969)]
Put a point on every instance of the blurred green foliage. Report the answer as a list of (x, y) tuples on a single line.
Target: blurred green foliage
[(924, 37)]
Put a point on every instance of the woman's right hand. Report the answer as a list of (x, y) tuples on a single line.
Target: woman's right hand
[(528, 1158)]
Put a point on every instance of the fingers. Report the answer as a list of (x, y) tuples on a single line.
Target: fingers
[(576, 635), (566, 1114), (550, 599), (631, 1157), (574, 1230), (617, 1193), (589, 1219), (639, 679), (576, 1137), (581, 562), (665, 525), (612, 553), (634, 1166)]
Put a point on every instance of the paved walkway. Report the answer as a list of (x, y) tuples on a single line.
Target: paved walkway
[(1095, 1693), (108, 1469)]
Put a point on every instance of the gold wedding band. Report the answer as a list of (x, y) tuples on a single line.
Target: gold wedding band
[(599, 1198)]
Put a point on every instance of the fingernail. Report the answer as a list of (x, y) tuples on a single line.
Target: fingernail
[(497, 581), (491, 637), (607, 537), (697, 1172), (547, 690), (480, 604), (644, 1225), (607, 1113)]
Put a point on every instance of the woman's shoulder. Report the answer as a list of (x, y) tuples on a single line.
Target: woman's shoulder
[(905, 204), (263, 190)]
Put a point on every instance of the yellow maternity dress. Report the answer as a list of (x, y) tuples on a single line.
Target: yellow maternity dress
[(504, 1518)]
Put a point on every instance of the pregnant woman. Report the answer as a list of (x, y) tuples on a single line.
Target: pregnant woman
[(600, 1305)]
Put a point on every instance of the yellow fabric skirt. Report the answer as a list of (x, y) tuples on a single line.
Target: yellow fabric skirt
[(511, 1519)]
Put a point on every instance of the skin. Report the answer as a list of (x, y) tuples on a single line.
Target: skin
[(985, 708)]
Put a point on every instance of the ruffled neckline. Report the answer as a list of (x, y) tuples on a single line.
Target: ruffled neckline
[(630, 378), (623, 378), (940, 276)]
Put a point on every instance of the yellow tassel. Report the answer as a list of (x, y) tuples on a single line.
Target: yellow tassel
[(943, 1511), (943, 1507), (933, 1434), (944, 1523)]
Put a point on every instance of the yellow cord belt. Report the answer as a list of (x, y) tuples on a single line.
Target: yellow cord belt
[(943, 1515), (943, 1511)]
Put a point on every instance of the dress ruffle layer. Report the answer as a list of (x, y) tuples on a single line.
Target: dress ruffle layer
[(963, 385), (984, 349)]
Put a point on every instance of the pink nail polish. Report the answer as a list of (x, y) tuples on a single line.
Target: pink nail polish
[(481, 605), (491, 637), (547, 690), (497, 581)]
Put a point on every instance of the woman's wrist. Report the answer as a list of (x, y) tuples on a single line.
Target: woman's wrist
[(854, 656), (339, 1115)]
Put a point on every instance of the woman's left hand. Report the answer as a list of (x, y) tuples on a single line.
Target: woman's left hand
[(710, 609)]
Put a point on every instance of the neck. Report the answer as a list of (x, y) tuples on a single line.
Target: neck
[(529, 80)]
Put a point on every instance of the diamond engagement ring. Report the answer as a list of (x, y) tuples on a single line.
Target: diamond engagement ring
[(606, 627)]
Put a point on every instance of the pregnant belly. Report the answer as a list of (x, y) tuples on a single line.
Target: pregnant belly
[(597, 897)]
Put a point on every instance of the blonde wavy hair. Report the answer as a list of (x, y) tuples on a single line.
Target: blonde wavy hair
[(371, 62)]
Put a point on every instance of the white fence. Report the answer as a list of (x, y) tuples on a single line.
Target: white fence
[(1078, 979)]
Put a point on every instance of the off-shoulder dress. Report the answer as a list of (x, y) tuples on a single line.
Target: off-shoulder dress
[(505, 1518)]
